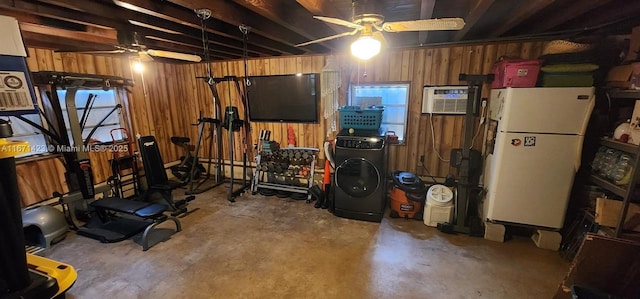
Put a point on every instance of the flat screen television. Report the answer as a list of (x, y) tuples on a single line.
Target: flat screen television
[(284, 98)]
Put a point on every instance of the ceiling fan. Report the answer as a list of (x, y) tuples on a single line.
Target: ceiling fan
[(131, 43), (371, 27)]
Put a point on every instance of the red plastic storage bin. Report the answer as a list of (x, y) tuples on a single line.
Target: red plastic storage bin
[(515, 73)]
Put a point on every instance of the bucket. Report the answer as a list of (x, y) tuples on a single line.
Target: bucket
[(439, 205)]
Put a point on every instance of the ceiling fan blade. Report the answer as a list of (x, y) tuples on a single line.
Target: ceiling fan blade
[(143, 56), (339, 22), (328, 38), (94, 52), (379, 36), (422, 25), (174, 55)]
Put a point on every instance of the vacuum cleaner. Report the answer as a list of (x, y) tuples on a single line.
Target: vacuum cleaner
[(407, 196)]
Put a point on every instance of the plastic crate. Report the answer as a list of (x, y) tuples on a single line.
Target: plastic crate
[(354, 117)]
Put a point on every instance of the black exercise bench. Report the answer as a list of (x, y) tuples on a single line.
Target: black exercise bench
[(109, 227)]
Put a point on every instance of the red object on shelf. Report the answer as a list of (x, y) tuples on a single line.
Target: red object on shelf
[(291, 136), (392, 137)]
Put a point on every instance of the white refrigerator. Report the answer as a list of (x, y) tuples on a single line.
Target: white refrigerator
[(535, 153)]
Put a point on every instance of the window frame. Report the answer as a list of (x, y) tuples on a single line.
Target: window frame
[(43, 148), (116, 95), (405, 84)]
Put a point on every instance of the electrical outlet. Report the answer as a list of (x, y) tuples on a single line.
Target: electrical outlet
[(421, 158)]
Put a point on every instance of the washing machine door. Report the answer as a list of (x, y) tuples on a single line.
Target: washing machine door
[(357, 177)]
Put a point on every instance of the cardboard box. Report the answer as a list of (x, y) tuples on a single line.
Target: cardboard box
[(620, 76), (608, 211), (607, 264)]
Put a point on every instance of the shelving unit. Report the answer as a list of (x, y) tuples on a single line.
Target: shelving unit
[(287, 159), (626, 192)]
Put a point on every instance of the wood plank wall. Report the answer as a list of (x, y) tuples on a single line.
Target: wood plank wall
[(168, 98)]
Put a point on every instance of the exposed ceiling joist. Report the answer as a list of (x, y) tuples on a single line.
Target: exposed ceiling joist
[(562, 16), (524, 12), (286, 14), (321, 8), (106, 36), (235, 14), (426, 12), (477, 11), (97, 9), (172, 13)]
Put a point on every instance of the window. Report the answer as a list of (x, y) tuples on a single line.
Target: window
[(25, 132), (393, 96), (102, 104)]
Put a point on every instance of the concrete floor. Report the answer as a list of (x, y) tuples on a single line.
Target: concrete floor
[(268, 247)]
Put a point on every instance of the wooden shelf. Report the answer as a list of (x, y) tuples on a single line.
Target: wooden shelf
[(624, 94), (621, 146), (617, 190)]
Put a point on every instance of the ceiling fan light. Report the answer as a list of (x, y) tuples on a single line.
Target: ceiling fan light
[(365, 47), (137, 67)]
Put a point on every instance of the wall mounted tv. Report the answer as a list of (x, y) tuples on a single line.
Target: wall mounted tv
[(284, 98)]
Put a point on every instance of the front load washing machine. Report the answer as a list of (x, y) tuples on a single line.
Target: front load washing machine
[(360, 175)]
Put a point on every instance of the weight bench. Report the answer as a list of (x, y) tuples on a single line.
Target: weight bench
[(158, 183), (110, 228)]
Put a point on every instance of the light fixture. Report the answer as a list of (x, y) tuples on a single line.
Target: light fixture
[(137, 67), (366, 46)]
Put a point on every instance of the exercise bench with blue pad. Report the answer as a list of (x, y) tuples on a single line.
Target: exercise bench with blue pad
[(119, 219)]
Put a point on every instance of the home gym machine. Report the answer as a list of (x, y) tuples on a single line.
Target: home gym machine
[(79, 175), (469, 163), (231, 122)]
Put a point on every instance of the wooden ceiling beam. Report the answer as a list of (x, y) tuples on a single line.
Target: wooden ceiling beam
[(194, 42), (525, 11), (55, 13), (94, 10), (293, 17), (477, 11), (40, 40), (320, 8), (324, 8), (611, 14), (426, 12), (171, 12), (289, 16), (105, 37), (235, 14), (559, 17)]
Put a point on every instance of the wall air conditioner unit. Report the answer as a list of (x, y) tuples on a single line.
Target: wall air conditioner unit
[(444, 99)]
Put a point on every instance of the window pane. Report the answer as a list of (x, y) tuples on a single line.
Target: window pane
[(25, 132), (102, 103), (394, 98), (96, 114), (394, 114)]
